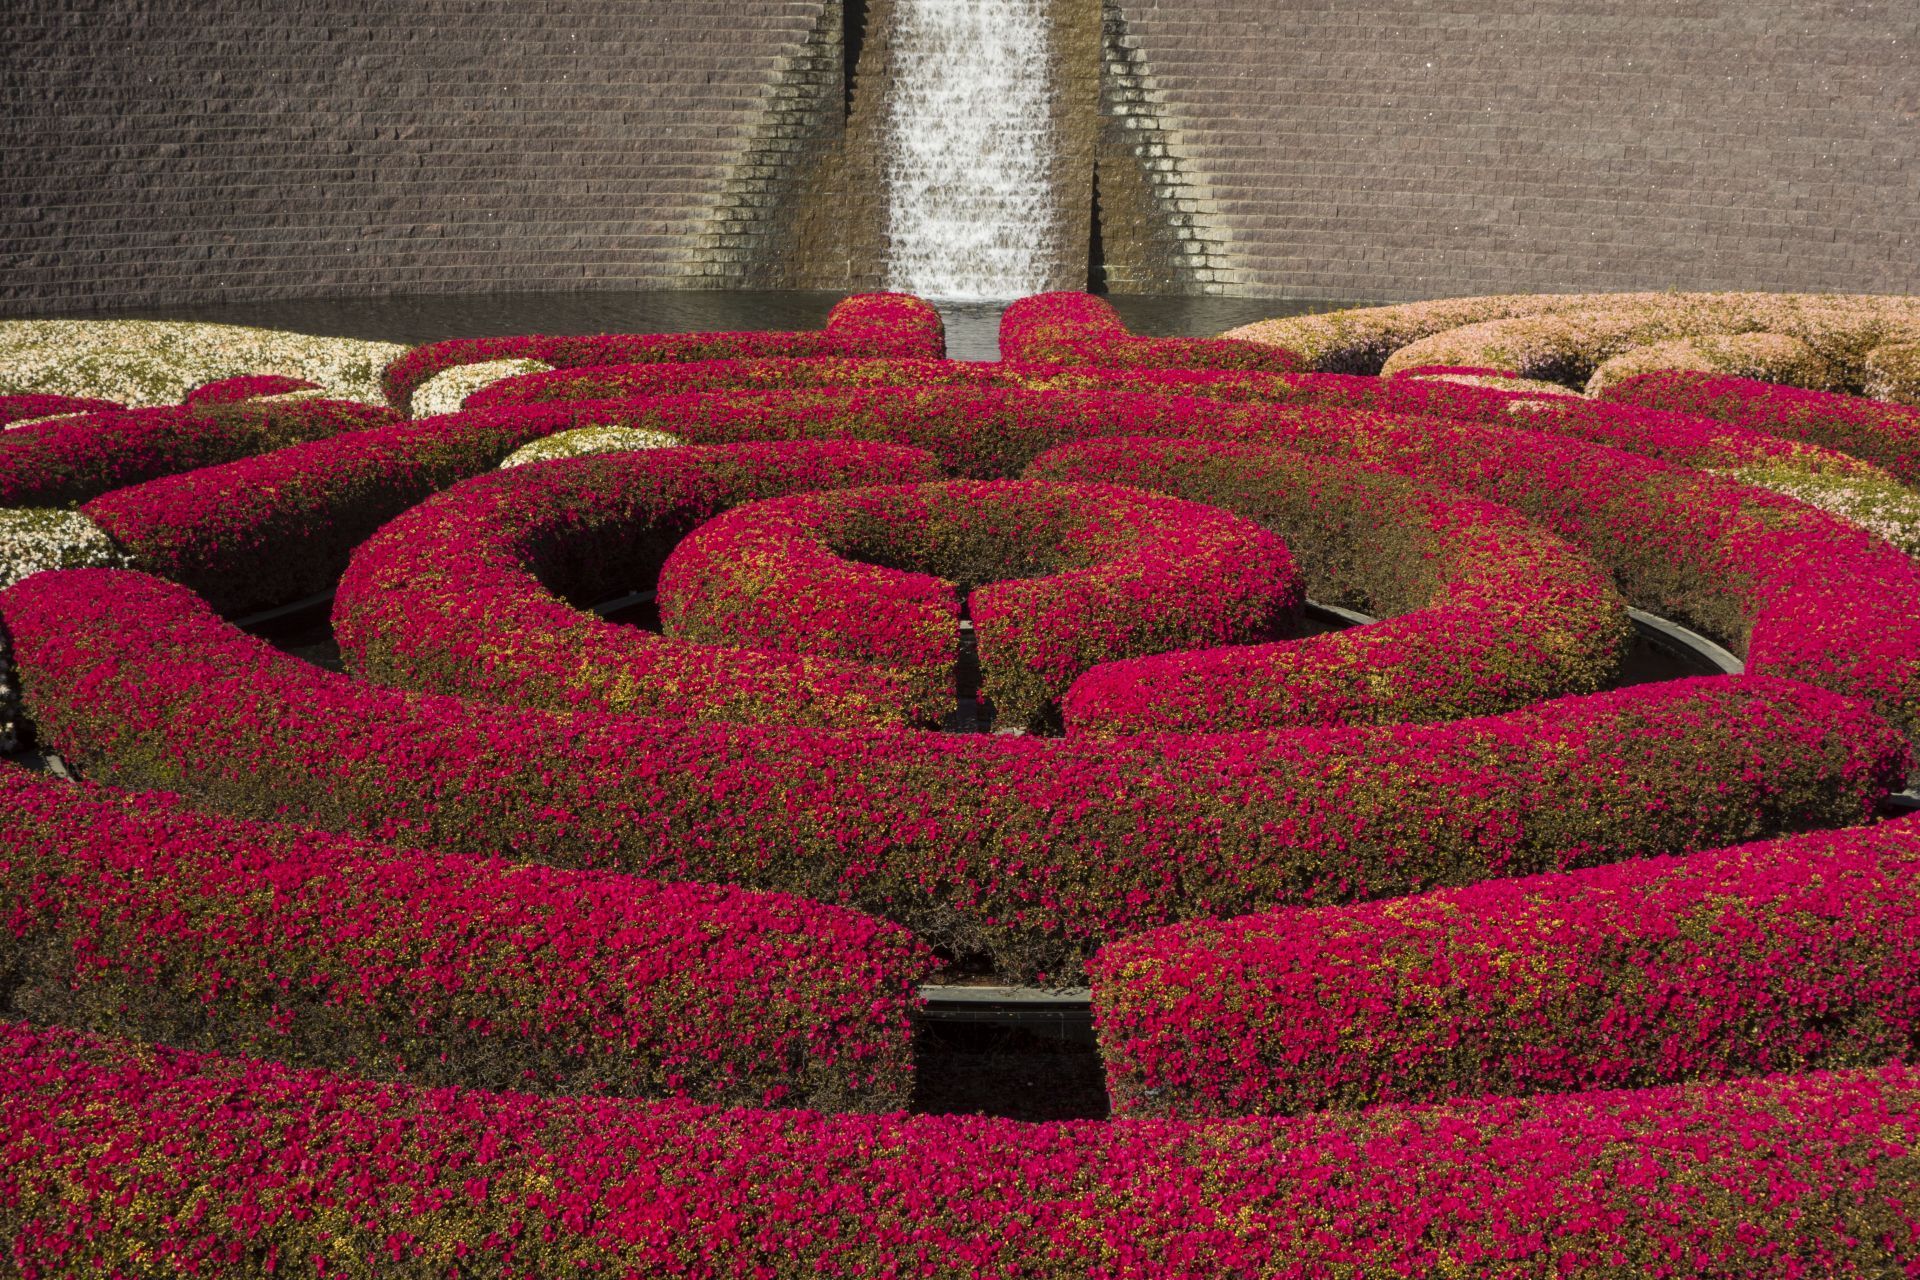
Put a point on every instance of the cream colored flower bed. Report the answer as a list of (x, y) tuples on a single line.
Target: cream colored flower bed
[(586, 440), (149, 362), (447, 390)]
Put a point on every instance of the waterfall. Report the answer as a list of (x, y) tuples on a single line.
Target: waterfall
[(969, 148)]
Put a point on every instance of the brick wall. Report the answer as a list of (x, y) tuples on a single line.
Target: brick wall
[(1389, 149), (207, 150), (217, 149)]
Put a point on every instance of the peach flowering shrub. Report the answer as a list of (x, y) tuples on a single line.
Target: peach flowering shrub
[(1885, 434), (123, 1159), (1768, 357), (133, 913), (1055, 579), (1029, 851), (1797, 954), (1515, 330), (72, 459), (1071, 328), (1893, 373), (1482, 611), (467, 592), (870, 324)]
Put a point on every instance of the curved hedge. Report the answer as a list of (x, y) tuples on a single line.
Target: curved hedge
[(1055, 579), (1082, 329), (73, 459), (32, 407), (466, 593), (1030, 851), (274, 528), (868, 324), (309, 1174), (1885, 434), (247, 387), (1482, 612), (132, 913), (1798, 954)]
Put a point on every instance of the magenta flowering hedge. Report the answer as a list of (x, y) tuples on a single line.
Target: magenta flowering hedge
[(1802, 593), (1082, 329), (52, 464), (132, 913), (1029, 851), (33, 405), (1785, 956), (868, 324), (748, 373), (1881, 433), (1055, 579), (118, 1159), (467, 592), (274, 528), (1482, 612), (247, 387)]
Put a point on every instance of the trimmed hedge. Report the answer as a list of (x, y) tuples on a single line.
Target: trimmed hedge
[(248, 387), (1797, 954), (1082, 329), (281, 526), (119, 1159), (73, 459), (467, 592), (1055, 578), (1483, 613), (1030, 851), (1885, 434), (132, 913), (868, 324), (34, 406)]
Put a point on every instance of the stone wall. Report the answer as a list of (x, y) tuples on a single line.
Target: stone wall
[(223, 149), (1392, 149)]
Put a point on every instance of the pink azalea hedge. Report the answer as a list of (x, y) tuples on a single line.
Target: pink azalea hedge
[(871, 324), (270, 529), (467, 592), (133, 913), (118, 1160), (1887, 434), (1483, 613), (51, 464), (1030, 851), (1786, 956), (1082, 329), (1055, 579), (32, 405)]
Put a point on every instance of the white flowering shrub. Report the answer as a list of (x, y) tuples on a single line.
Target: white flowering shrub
[(447, 390), (149, 362), (585, 440)]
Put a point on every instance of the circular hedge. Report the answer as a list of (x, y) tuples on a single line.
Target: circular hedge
[(601, 876)]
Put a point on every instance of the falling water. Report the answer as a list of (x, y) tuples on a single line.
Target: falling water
[(969, 149)]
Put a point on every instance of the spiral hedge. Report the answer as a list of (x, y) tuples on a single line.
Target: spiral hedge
[(1075, 576), (1405, 960), (466, 593)]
